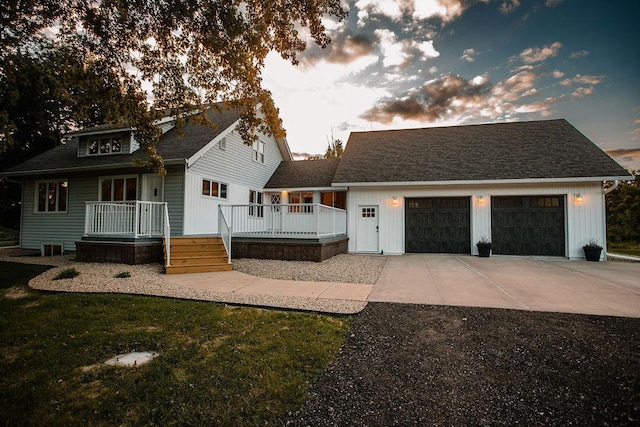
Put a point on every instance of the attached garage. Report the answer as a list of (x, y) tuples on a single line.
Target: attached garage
[(438, 225), (528, 225)]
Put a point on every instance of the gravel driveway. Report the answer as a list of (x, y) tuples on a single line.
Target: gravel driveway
[(434, 365)]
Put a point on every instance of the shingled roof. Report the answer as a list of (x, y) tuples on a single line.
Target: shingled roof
[(175, 145), (548, 149), (304, 174)]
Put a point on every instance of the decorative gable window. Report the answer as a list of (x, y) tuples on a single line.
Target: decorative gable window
[(255, 198), (258, 151), (118, 189), (52, 196), (214, 189), (104, 145)]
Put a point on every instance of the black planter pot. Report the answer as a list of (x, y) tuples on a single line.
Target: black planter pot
[(592, 253), (484, 249)]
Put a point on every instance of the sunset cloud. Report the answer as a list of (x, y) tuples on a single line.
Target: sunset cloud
[(538, 54), (582, 80), (468, 55), (579, 54), (509, 6)]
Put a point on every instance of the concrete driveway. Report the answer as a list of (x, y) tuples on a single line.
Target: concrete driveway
[(603, 288)]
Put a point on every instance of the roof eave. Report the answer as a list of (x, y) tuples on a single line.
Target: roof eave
[(484, 182), (83, 168), (289, 189)]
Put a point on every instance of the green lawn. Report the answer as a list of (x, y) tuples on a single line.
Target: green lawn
[(625, 248), (217, 365), (8, 237)]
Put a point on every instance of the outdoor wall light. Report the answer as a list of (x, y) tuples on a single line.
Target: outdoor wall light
[(481, 200), (577, 198), (394, 201)]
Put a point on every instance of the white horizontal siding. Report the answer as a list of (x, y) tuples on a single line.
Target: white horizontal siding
[(66, 228), (584, 221), (174, 196), (233, 166)]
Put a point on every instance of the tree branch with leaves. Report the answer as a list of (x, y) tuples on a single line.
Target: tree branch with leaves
[(193, 53)]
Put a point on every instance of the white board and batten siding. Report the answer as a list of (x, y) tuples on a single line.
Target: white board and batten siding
[(56, 227), (233, 166), (583, 221)]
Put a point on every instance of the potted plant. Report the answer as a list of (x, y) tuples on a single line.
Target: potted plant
[(592, 250), (484, 247)]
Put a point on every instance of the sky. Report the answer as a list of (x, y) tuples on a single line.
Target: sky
[(396, 64)]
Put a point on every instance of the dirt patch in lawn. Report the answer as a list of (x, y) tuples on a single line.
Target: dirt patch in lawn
[(434, 365)]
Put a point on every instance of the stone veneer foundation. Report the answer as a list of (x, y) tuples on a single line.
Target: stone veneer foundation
[(288, 249)]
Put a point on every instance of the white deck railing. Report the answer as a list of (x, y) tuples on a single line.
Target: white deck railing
[(125, 219), (292, 220)]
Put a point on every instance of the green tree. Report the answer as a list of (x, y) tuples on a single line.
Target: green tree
[(335, 149), (193, 53), (623, 211)]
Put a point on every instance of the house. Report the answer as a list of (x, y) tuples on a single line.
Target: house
[(533, 188), (86, 195)]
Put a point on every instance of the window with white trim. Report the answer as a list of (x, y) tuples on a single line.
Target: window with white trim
[(52, 196), (214, 189), (258, 151), (119, 188), (255, 198), (104, 145), (305, 199)]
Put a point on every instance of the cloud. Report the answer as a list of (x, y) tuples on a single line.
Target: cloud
[(344, 48), (627, 154), (534, 54), (557, 74), (582, 80), (509, 6), (579, 54), (468, 55), (581, 92), (436, 99), (552, 3), (447, 10), (401, 53)]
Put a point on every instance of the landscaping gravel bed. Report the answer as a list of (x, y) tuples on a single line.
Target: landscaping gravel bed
[(149, 279), (435, 365), (345, 268)]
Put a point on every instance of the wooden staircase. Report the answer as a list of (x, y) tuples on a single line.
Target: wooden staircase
[(197, 255)]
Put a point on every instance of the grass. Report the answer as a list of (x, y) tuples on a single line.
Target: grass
[(624, 248), (217, 364), (9, 237)]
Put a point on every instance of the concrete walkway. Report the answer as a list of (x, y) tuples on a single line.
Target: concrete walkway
[(557, 285), (241, 283), (603, 288)]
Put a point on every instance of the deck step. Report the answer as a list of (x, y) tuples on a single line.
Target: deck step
[(197, 255), (183, 269)]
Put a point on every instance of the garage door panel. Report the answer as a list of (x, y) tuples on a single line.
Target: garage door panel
[(528, 225), (437, 225)]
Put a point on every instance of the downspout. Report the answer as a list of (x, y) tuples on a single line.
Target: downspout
[(615, 185)]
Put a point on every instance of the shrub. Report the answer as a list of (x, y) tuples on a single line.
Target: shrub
[(122, 275), (67, 273)]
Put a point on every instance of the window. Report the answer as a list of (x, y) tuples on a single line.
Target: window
[(258, 151), (337, 199), (109, 145), (255, 198), (52, 196), (119, 189), (301, 198), (214, 189)]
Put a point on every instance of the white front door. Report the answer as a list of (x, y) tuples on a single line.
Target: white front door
[(276, 212), (151, 216), (152, 186), (367, 240)]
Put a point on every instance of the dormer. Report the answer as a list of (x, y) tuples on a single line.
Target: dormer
[(105, 141), (109, 140)]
